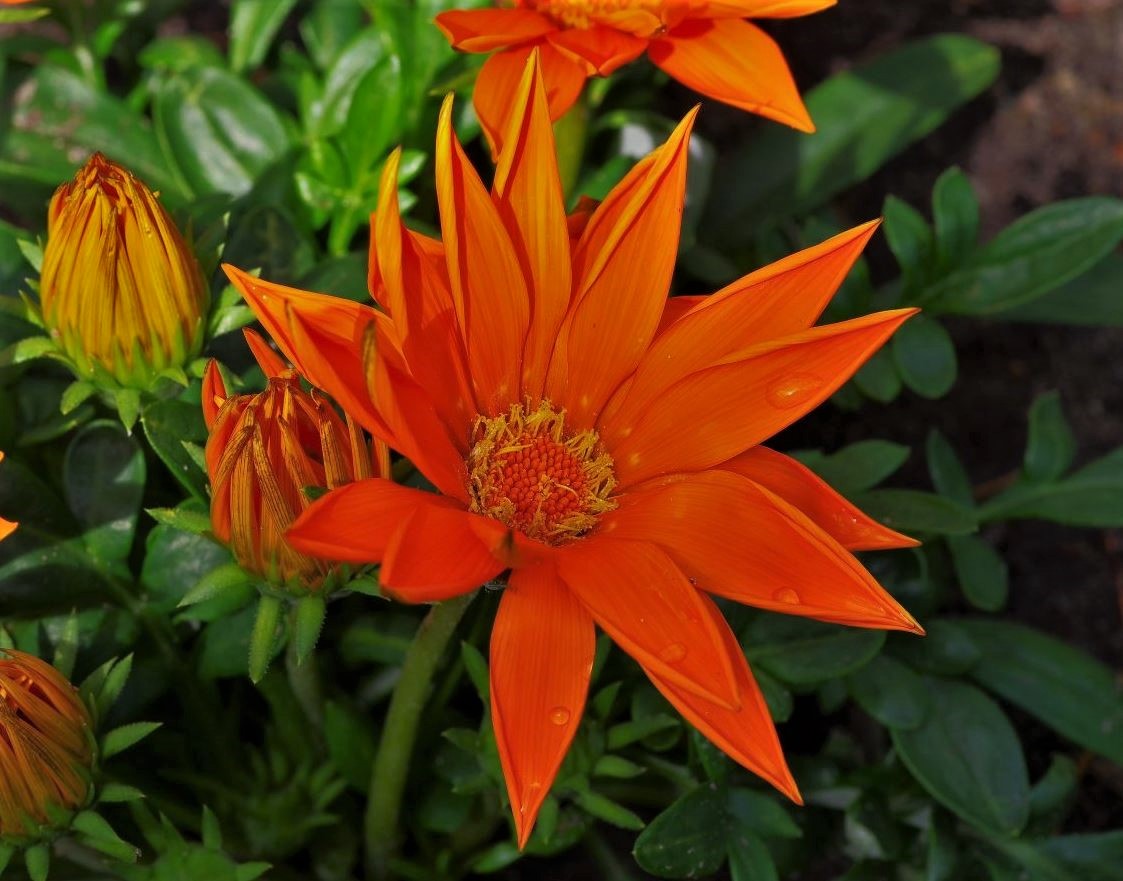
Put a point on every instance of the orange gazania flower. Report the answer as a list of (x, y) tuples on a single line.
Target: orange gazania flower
[(704, 44), (590, 436), (7, 527), (264, 451), (46, 749)]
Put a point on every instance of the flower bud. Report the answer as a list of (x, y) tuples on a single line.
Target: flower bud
[(46, 748), (265, 452), (122, 293)]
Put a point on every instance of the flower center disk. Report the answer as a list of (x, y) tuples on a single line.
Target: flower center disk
[(644, 18), (527, 472)]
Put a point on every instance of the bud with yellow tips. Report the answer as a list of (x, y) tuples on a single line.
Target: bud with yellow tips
[(122, 294)]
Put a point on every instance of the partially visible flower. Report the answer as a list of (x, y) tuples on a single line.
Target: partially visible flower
[(265, 453), (593, 438), (704, 44), (121, 291), (46, 748), (7, 527)]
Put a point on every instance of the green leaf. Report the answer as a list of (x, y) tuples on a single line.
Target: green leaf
[(263, 639), (864, 117), (1092, 496), (687, 840), (167, 425), (217, 130), (351, 743), (187, 518), (1051, 446), (1035, 255), (307, 624), (116, 793), (749, 859), (760, 814), (878, 377), (982, 573), (1090, 299), (890, 692), (804, 652), (925, 356), (104, 476), (596, 805), (956, 213), (967, 755), (912, 511), (909, 237), (216, 580), (496, 858), (947, 649), (948, 474), (253, 26), (38, 862), (22, 16), (1060, 685), (858, 466), (120, 739), (76, 119)]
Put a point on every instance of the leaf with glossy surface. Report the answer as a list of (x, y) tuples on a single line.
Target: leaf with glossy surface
[(687, 840), (890, 692), (982, 573), (1051, 446), (967, 755), (1062, 686), (804, 652), (925, 357), (912, 511)]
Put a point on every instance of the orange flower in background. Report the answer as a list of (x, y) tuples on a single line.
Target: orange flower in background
[(264, 450), (704, 44), (46, 748), (590, 436), (7, 527)]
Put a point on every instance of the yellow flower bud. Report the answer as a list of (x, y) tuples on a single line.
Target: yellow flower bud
[(264, 451), (122, 293), (46, 748)]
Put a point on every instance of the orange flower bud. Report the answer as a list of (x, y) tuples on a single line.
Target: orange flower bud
[(46, 747), (264, 452), (121, 291)]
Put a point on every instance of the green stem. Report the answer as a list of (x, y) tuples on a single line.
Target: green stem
[(570, 133), (399, 733)]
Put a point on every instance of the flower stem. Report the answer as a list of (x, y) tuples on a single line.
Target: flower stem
[(391, 762)]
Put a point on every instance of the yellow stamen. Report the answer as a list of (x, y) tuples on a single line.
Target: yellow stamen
[(525, 471)]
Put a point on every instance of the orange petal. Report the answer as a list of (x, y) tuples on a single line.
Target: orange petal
[(437, 553), (776, 301), (528, 193), (498, 82), (605, 49), (334, 330), (484, 30), (735, 62), (408, 273), (802, 488), (269, 361), (718, 412), (736, 539), (760, 8), (639, 597), (488, 286), (542, 647), (213, 396), (623, 265), (747, 735), (676, 308), (354, 524)]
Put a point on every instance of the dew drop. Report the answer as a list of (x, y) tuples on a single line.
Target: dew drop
[(673, 653), (786, 595), (792, 390), (559, 715)]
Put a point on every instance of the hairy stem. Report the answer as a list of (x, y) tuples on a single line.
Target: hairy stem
[(399, 734)]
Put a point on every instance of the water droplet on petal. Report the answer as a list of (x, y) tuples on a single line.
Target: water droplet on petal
[(792, 390), (559, 715), (673, 653), (786, 595)]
